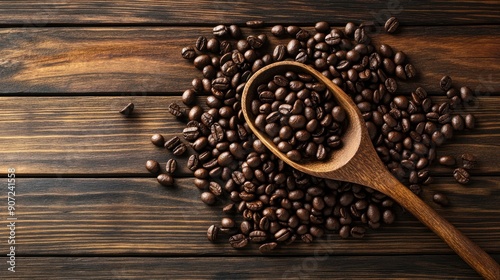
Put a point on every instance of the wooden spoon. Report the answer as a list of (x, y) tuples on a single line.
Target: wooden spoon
[(357, 162)]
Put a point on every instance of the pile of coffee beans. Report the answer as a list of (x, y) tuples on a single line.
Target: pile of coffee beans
[(300, 115), (268, 202)]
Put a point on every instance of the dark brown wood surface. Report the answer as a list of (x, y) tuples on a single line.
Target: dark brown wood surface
[(86, 206)]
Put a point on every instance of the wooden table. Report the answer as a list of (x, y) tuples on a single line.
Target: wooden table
[(87, 208)]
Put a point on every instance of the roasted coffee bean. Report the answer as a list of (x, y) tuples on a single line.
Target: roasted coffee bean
[(445, 83), (220, 30), (158, 140), (175, 110), (215, 188), (440, 199), (127, 110), (238, 241), (180, 149), (255, 23), (267, 247), (470, 121), (193, 162), (447, 160), (188, 53), (358, 232), (391, 25), (191, 133), (171, 166), (258, 236), (153, 166), (172, 143), (212, 233), (469, 161), (278, 30), (165, 179), (208, 198), (461, 175)]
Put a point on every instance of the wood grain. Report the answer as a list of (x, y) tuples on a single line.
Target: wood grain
[(310, 267), (61, 136), (209, 12), (135, 60), (130, 216)]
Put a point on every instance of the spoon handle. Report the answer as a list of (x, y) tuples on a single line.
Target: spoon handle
[(471, 253)]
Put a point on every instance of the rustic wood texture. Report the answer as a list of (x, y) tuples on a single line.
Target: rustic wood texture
[(61, 136), (87, 207), (213, 12), (113, 216), (314, 267), (139, 60)]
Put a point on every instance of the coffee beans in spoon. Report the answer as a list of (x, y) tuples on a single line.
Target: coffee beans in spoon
[(300, 115)]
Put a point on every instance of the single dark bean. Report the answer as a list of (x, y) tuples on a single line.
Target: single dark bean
[(127, 110), (158, 140), (445, 83), (391, 25), (238, 241), (461, 175), (440, 199), (267, 247), (171, 166), (165, 179), (180, 149), (208, 198), (172, 143), (212, 233), (447, 160), (153, 166), (469, 161)]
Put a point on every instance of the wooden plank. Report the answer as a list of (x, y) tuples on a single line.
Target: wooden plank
[(144, 60), (211, 12), (59, 136), (131, 216), (311, 267)]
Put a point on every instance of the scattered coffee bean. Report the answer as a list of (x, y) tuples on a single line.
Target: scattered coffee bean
[(171, 166), (391, 25), (165, 180), (267, 247), (212, 233), (469, 161), (238, 241), (208, 198), (127, 110), (158, 140), (445, 83), (255, 23), (447, 160), (440, 199), (180, 149), (461, 175), (153, 166)]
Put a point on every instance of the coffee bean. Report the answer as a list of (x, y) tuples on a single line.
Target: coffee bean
[(220, 30), (238, 241), (212, 233), (208, 198), (391, 25), (153, 166), (445, 83), (447, 160), (461, 175), (165, 180), (267, 247), (175, 110), (172, 143), (180, 149), (440, 199), (255, 23), (171, 166), (470, 121), (358, 232), (278, 30), (469, 161), (158, 140), (127, 110)]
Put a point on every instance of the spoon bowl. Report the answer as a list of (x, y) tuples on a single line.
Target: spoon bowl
[(357, 162)]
